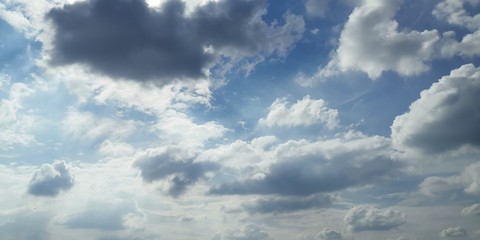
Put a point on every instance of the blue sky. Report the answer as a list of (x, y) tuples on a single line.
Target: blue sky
[(239, 119)]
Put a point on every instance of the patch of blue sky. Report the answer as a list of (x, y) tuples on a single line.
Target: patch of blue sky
[(17, 53)]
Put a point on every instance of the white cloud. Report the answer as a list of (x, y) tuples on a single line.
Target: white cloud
[(371, 42), (328, 234), (467, 182), (15, 120), (473, 210), (305, 112), (371, 219), (88, 126), (50, 179), (445, 117), (302, 167), (453, 232), (247, 232), (454, 12), (177, 128)]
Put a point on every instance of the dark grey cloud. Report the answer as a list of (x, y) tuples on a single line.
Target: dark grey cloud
[(287, 204), (373, 219), (178, 171), (445, 117), (127, 39), (314, 174), (50, 179)]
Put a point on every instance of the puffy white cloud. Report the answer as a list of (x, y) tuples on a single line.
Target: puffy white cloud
[(372, 219), (445, 117), (50, 179), (177, 128), (469, 46), (473, 210), (371, 42), (247, 232), (468, 182), (305, 112), (453, 232), (454, 12), (303, 168)]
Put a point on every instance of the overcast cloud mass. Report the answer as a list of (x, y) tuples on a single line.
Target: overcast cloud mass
[(239, 119)]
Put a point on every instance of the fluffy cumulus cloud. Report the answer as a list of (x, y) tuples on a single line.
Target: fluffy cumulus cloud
[(371, 42), (247, 232), (304, 112), (456, 13), (468, 182), (165, 44), (173, 166), (453, 232), (445, 117), (51, 179), (473, 210), (303, 168), (372, 219)]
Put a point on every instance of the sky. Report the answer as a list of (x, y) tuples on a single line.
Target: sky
[(239, 119)]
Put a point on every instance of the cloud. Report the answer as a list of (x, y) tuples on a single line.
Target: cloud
[(175, 166), (247, 232), (371, 42), (316, 8), (127, 39), (453, 232), (288, 204), (467, 182), (373, 219), (303, 168), (305, 112), (15, 120), (88, 126), (473, 210), (444, 117), (51, 179), (328, 234), (25, 225), (103, 216), (456, 13)]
